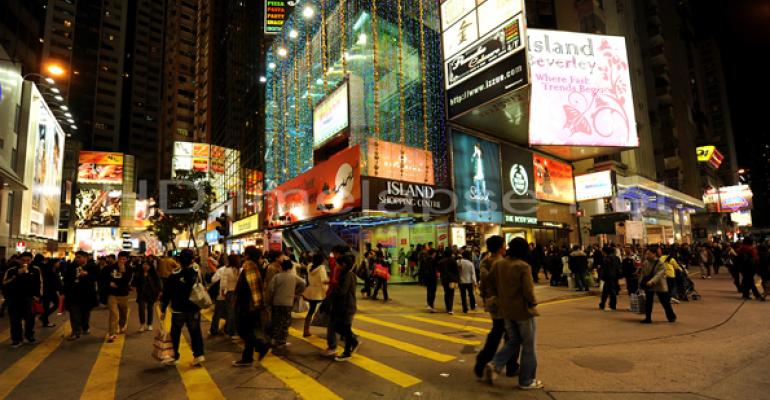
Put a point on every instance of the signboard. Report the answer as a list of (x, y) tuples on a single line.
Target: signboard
[(246, 225), (212, 237), (458, 236), (276, 13), (330, 187), (477, 179), (102, 168), (331, 116), (519, 202), (729, 199), (44, 157), (710, 155), (416, 161), (634, 230), (741, 218), (504, 73), (593, 186), (98, 207), (403, 197), (553, 180), (581, 90)]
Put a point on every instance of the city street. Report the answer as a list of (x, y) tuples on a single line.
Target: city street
[(718, 349)]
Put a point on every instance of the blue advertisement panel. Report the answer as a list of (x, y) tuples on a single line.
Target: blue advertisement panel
[(477, 179)]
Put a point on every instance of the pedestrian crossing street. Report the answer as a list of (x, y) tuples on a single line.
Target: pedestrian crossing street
[(399, 346)]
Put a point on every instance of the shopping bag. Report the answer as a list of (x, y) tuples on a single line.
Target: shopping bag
[(162, 346), (199, 295), (380, 271), (320, 319), (300, 305), (37, 307), (637, 302)]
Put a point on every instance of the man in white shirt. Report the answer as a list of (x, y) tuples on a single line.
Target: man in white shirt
[(467, 281)]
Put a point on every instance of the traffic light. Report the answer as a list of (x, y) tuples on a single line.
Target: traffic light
[(224, 225)]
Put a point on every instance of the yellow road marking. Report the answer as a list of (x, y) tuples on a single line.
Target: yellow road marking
[(197, 381), (305, 386), (376, 368), (448, 324), (416, 331), (20, 370), (567, 300), (104, 374), (404, 346)]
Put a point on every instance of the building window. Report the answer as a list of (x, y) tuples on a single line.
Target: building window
[(9, 213)]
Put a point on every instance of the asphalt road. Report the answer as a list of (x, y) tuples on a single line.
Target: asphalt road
[(718, 349)]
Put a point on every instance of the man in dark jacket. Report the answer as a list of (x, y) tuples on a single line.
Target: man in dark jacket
[(427, 272), (746, 264), (80, 293), (343, 309), (52, 288), (610, 272), (22, 284), (450, 277), (183, 311), (578, 264)]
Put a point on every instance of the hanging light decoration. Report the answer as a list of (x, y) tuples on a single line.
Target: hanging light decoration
[(401, 127), (285, 114), (424, 80), (376, 90), (343, 34), (324, 61), (297, 148)]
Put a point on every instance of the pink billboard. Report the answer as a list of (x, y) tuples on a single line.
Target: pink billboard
[(581, 90)]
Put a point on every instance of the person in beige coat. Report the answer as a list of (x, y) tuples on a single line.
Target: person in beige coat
[(654, 282), (510, 281), (318, 283)]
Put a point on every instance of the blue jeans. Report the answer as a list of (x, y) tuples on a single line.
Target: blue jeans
[(521, 334)]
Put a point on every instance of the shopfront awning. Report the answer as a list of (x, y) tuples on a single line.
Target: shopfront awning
[(646, 186)]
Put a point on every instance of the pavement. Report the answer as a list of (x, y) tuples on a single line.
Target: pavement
[(718, 349)]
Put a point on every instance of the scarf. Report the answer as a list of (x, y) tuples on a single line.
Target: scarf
[(254, 279)]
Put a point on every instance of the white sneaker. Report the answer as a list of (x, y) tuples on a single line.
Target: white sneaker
[(149, 328), (142, 328), (169, 361), (198, 361), (329, 353), (532, 386), (674, 301)]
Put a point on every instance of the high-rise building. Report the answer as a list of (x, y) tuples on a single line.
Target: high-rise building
[(179, 86), (21, 32)]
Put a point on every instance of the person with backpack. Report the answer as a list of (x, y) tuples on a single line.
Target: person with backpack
[(654, 283), (610, 272), (746, 263)]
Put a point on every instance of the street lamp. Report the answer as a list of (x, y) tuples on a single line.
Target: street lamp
[(55, 69), (308, 12)]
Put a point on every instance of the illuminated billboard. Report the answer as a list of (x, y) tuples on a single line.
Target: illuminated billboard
[(214, 160), (553, 180), (477, 179), (593, 186), (43, 168), (729, 199), (416, 162), (96, 167), (581, 90), (331, 116), (710, 155), (276, 13), (98, 208)]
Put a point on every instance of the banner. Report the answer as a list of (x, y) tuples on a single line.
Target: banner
[(581, 90), (519, 201), (331, 116), (477, 179), (389, 165), (553, 180), (331, 187)]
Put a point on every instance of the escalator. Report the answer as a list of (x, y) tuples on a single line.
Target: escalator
[(313, 238)]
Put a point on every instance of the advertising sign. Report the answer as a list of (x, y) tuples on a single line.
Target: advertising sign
[(331, 116), (45, 149), (593, 186), (390, 195), (276, 13), (553, 180), (581, 90), (97, 207), (389, 165), (710, 154), (735, 198), (212, 237), (491, 49), (97, 167), (330, 187), (477, 179), (519, 202), (246, 225)]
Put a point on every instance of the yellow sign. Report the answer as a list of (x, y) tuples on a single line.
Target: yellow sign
[(246, 225), (705, 153)]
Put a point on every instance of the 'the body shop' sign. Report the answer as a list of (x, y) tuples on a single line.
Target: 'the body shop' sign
[(581, 90)]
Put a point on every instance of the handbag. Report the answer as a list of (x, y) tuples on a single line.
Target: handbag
[(320, 319), (637, 299), (199, 295), (37, 307), (300, 305), (381, 272)]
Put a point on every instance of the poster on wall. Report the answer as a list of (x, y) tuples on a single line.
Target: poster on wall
[(331, 116), (553, 180), (519, 200), (331, 187), (46, 155), (477, 179), (96, 167), (581, 90)]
